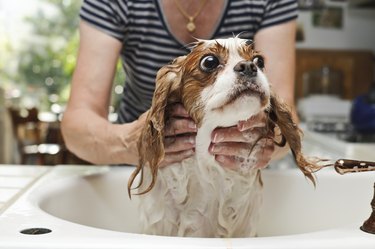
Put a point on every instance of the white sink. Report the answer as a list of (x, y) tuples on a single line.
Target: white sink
[(88, 207)]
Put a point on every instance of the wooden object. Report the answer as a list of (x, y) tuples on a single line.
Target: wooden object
[(28, 134), (357, 68), (369, 225)]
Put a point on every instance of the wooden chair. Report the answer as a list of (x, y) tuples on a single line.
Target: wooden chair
[(29, 134)]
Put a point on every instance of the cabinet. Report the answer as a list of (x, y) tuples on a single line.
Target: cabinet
[(356, 67)]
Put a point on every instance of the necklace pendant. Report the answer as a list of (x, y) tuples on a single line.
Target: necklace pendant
[(190, 26)]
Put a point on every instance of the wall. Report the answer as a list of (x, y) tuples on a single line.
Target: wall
[(358, 31)]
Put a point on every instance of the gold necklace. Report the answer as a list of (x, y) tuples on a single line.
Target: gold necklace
[(190, 26)]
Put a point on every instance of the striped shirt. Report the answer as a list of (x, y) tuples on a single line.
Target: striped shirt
[(148, 44)]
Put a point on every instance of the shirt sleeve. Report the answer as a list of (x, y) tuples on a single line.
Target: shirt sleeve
[(109, 16), (279, 11)]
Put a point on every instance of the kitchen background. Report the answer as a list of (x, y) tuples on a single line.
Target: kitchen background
[(335, 89)]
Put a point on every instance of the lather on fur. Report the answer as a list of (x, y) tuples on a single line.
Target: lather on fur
[(197, 197)]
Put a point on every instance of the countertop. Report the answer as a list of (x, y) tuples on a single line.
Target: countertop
[(15, 179)]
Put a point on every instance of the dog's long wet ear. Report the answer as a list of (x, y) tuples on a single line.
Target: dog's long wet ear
[(151, 144), (282, 117)]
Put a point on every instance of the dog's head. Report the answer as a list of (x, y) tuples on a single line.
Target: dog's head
[(219, 80), (218, 77)]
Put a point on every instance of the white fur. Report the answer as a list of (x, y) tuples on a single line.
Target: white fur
[(198, 197)]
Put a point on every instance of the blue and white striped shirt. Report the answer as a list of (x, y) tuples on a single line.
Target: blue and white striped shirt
[(148, 44)]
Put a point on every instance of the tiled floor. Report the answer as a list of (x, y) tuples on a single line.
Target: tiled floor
[(15, 178)]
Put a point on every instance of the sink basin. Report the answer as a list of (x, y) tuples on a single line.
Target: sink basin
[(88, 207)]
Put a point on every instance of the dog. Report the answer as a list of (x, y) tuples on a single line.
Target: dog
[(220, 82)]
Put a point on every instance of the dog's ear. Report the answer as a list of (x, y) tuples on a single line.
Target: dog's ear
[(281, 115), (151, 141)]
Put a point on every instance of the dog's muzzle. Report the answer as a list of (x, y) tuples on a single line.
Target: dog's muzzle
[(246, 69)]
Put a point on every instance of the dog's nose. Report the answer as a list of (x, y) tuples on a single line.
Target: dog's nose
[(246, 68)]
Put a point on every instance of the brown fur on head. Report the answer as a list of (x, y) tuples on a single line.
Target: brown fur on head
[(182, 81)]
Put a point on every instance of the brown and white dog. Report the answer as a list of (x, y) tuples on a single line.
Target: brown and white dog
[(220, 83)]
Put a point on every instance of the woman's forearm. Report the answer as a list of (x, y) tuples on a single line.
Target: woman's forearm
[(280, 67), (98, 141), (86, 130)]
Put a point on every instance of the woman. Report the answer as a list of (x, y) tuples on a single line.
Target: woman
[(148, 34)]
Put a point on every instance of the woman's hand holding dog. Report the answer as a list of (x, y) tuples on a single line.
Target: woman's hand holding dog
[(245, 146), (179, 139)]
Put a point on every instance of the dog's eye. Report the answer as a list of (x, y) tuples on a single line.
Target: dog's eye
[(209, 63), (259, 61)]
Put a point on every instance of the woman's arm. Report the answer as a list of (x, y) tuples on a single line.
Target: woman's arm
[(86, 129), (277, 44)]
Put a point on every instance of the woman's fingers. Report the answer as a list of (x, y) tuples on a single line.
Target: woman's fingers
[(179, 143), (258, 120), (243, 157), (177, 110), (245, 146), (229, 162), (232, 134), (263, 151), (175, 157), (179, 135), (177, 126), (231, 149)]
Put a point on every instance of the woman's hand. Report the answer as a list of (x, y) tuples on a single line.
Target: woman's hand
[(243, 147), (180, 132)]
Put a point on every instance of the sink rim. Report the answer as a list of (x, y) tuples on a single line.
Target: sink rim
[(25, 210)]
